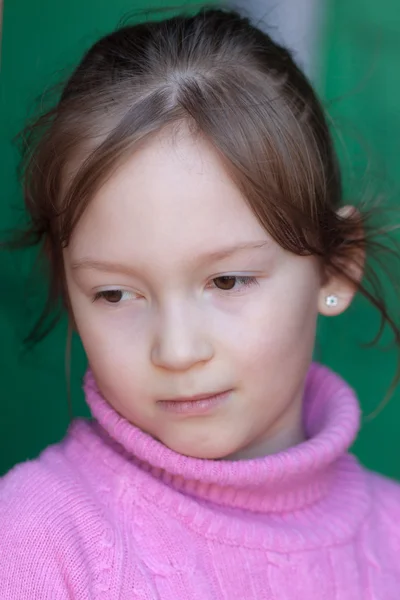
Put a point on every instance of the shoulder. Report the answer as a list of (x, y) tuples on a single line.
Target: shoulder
[(384, 518), (52, 486), (52, 529), (385, 494)]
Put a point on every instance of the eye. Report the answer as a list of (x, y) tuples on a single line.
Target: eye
[(113, 296), (232, 283)]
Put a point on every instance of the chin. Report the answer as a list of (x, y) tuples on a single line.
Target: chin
[(206, 450)]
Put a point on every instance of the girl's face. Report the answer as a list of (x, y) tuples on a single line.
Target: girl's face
[(178, 291)]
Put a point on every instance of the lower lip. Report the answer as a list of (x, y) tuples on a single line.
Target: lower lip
[(194, 407)]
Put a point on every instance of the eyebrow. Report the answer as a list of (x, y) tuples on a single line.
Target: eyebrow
[(111, 267)]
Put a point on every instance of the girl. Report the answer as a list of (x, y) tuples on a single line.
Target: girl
[(187, 198)]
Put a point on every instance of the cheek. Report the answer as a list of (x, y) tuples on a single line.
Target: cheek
[(114, 344), (108, 341), (273, 334), (119, 365)]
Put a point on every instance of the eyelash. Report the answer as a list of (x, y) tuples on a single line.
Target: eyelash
[(103, 295), (245, 280)]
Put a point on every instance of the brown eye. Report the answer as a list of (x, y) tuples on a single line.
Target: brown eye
[(112, 296), (234, 283), (225, 282)]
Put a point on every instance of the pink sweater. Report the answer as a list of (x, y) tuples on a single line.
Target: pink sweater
[(111, 513)]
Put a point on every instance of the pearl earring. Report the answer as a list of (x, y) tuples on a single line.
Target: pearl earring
[(331, 300)]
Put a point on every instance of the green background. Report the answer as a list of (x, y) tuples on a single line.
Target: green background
[(361, 85)]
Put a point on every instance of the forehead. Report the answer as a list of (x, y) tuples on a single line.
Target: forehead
[(172, 196)]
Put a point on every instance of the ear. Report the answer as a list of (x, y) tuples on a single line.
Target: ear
[(337, 292)]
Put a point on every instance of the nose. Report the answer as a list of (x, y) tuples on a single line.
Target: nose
[(181, 340)]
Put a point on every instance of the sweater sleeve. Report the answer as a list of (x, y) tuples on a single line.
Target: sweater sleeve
[(42, 553)]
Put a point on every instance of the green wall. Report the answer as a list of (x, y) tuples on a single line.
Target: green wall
[(361, 85), (41, 37)]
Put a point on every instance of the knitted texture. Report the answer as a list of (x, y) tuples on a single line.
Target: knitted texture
[(110, 513)]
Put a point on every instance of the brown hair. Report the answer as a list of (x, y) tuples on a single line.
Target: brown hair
[(234, 85)]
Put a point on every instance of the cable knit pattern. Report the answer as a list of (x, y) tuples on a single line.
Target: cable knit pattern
[(111, 513)]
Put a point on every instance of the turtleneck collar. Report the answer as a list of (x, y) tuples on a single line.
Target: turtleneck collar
[(286, 481)]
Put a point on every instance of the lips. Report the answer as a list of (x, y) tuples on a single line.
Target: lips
[(195, 405), (194, 398)]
